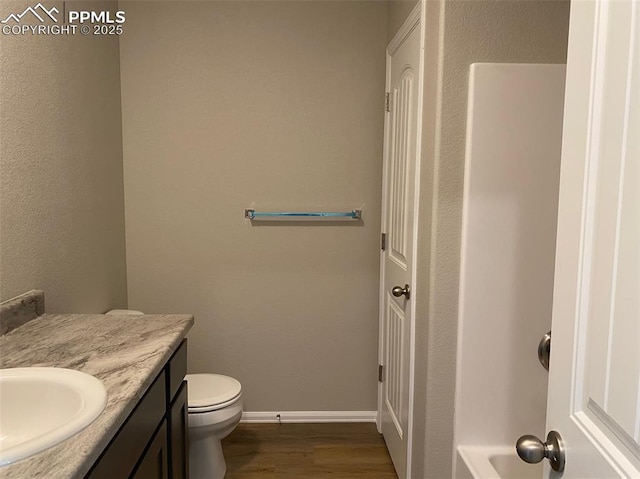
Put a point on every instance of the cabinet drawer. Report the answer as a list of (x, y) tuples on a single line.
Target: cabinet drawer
[(176, 369), (123, 452)]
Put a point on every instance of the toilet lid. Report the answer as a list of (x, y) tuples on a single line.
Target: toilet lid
[(211, 389)]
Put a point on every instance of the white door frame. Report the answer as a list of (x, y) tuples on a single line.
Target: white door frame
[(416, 19)]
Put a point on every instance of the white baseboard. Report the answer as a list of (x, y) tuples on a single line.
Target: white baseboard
[(308, 416)]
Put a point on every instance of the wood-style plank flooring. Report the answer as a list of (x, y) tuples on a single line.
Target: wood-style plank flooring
[(298, 451)]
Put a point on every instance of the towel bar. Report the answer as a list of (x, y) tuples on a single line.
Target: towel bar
[(252, 214)]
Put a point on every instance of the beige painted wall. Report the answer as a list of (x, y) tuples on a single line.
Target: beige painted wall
[(398, 12), (277, 106), (465, 32), (61, 184)]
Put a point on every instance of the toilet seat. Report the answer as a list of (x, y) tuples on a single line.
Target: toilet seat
[(216, 407), (211, 392)]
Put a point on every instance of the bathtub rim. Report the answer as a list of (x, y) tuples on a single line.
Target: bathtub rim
[(477, 459)]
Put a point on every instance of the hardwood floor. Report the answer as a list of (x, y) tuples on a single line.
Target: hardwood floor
[(298, 451)]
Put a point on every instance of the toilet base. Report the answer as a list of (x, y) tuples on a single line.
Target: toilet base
[(206, 430), (206, 460)]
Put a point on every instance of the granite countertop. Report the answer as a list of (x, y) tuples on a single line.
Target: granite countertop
[(125, 352)]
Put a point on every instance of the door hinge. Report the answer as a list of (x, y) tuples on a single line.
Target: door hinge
[(383, 241), (387, 106), (380, 373)]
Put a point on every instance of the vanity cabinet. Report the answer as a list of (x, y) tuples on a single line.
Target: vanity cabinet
[(178, 435), (155, 463), (153, 441)]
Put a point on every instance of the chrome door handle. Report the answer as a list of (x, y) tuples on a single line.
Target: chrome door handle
[(533, 450), (544, 350), (398, 291)]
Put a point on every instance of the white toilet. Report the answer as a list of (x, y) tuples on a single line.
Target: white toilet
[(214, 410)]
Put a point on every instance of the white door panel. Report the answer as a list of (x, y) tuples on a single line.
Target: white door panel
[(397, 260), (594, 381)]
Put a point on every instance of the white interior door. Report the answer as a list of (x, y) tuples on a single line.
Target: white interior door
[(399, 224), (594, 379)]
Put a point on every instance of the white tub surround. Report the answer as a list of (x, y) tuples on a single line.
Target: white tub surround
[(512, 170)]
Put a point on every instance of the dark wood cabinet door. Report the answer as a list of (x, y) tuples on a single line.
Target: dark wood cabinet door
[(154, 463), (124, 452), (179, 435)]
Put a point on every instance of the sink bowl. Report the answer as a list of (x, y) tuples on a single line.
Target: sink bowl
[(41, 407)]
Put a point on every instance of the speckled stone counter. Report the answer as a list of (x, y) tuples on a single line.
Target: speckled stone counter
[(125, 352)]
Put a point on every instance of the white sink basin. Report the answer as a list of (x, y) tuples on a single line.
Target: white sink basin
[(41, 407)]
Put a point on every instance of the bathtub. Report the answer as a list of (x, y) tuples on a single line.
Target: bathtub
[(493, 462)]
